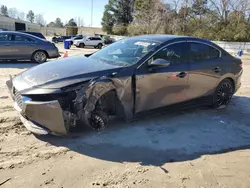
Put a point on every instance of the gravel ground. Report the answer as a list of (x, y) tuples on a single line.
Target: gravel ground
[(194, 148)]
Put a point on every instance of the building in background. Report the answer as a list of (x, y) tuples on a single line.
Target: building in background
[(51, 31), (12, 24)]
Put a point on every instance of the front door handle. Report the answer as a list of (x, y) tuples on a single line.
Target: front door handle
[(217, 69), (181, 75)]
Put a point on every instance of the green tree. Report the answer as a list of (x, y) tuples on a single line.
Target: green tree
[(107, 21), (4, 10), (30, 16), (118, 14), (71, 23), (51, 24), (58, 23)]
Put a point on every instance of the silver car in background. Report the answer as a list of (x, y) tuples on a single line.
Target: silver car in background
[(22, 46)]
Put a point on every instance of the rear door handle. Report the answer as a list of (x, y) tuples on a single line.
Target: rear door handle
[(217, 69), (181, 75)]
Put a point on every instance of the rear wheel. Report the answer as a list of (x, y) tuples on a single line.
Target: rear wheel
[(99, 46), (39, 57), (82, 45), (223, 94)]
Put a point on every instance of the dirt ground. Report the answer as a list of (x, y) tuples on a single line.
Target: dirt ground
[(193, 148)]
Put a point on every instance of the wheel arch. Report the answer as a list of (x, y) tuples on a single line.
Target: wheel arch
[(112, 101), (230, 77), (82, 43), (101, 87)]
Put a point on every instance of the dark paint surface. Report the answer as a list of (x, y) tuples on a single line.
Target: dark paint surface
[(65, 70), (138, 87)]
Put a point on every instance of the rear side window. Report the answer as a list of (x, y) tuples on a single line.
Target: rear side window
[(202, 52), (97, 38), (19, 38)]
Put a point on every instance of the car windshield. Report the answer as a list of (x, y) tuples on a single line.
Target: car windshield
[(125, 52)]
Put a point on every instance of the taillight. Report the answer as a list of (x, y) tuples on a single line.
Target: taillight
[(238, 61)]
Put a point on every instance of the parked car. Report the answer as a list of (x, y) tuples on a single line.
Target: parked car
[(96, 42), (39, 35), (109, 41), (78, 37), (23, 46), (129, 77), (57, 39)]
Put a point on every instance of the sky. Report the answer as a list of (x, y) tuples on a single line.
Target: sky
[(64, 9)]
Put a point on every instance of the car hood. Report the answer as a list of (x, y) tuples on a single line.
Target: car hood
[(67, 71)]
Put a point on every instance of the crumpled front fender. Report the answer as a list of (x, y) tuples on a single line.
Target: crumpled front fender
[(97, 88)]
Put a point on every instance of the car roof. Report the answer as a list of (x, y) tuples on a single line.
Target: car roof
[(165, 38), (21, 33)]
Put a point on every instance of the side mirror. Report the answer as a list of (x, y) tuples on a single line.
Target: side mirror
[(159, 63)]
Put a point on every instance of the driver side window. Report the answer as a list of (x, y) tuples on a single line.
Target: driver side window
[(174, 54)]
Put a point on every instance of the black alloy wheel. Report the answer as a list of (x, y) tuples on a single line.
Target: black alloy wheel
[(98, 120), (223, 94), (99, 46)]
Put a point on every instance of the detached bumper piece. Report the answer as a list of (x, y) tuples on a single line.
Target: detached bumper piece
[(34, 128), (39, 117), (43, 117)]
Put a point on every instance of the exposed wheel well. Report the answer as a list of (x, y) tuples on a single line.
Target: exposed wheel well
[(110, 103)]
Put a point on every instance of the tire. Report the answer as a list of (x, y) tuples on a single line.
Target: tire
[(99, 46), (82, 45), (223, 94), (98, 120), (39, 56)]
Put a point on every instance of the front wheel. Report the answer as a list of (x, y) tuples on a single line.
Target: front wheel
[(98, 120), (223, 94), (39, 57)]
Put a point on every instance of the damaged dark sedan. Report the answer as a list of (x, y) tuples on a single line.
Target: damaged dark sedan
[(127, 78)]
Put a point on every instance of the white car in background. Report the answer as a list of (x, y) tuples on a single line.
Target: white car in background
[(96, 42)]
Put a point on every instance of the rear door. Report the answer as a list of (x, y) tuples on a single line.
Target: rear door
[(24, 46), (205, 70), (98, 40), (6, 50)]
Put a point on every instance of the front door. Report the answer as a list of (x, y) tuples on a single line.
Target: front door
[(163, 86), (5, 46)]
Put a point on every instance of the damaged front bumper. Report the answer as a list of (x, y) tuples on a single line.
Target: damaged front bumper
[(40, 117)]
